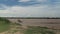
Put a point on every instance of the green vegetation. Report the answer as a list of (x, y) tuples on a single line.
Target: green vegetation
[(38, 30), (4, 19), (4, 24)]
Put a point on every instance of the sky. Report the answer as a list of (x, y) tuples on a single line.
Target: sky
[(29, 8)]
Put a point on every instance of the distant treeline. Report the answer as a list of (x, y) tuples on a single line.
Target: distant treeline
[(31, 17)]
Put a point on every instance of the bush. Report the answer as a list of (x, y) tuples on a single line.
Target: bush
[(4, 19)]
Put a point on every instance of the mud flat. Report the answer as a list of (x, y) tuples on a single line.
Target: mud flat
[(51, 23)]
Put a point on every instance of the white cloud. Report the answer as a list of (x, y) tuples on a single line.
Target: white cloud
[(22, 11), (23, 0), (41, 0), (30, 11), (33, 0)]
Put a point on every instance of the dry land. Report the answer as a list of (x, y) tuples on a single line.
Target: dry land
[(33, 26), (50, 23)]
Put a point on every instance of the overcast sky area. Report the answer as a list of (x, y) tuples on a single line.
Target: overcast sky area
[(29, 8)]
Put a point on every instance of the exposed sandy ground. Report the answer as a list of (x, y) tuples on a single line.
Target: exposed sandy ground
[(51, 23)]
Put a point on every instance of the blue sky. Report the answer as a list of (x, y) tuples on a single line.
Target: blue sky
[(30, 8)]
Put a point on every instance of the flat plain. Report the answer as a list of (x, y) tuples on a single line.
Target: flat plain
[(50, 23), (33, 26)]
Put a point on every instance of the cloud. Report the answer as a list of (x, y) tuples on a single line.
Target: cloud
[(31, 11), (27, 2), (42, 0), (20, 2), (2, 6), (22, 11), (23, 0), (32, 0), (32, 8)]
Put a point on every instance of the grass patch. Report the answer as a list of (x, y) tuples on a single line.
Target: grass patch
[(4, 24), (38, 30), (4, 27)]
